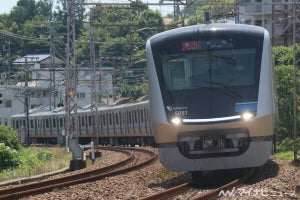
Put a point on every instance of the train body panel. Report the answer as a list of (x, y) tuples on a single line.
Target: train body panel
[(259, 127), (126, 124), (212, 96)]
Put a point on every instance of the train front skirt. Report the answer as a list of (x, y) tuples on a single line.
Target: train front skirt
[(256, 155)]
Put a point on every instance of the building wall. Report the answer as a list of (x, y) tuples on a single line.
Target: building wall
[(275, 18)]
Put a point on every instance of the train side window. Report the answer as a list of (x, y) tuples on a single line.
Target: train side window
[(39, 123), (110, 119), (31, 123), (82, 121), (120, 117), (117, 118), (103, 120), (23, 123), (90, 120), (47, 123), (54, 122), (129, 115), (17, 124), (135, 116), (142, 116), (61, 123)]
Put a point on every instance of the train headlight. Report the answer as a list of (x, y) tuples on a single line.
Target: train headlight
[(247, 115), (176, 120)]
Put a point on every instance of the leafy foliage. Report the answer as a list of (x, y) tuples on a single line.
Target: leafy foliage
[(9, 158), (283, 57), (30, 159), (36, 160), (287, 144), (9, 137)]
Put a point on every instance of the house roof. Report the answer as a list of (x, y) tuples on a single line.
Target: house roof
[(35, 58)]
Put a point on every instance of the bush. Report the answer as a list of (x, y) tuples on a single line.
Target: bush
[(287, 144), (9, 158), (45, 155), (9, 137)]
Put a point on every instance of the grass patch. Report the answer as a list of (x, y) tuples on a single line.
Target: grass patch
[(165, 174), (289, 155), (38, 160)]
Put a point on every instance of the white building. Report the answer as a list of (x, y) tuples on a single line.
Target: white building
[(12, 97), (274, 15)]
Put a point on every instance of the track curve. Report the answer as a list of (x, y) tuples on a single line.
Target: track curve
[(126, 165), (208, 195)]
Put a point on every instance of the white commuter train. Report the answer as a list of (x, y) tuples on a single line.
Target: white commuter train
[(125, 124), (212, 96)]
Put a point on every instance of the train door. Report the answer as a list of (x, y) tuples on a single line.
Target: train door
[(105, 122), (82, 124), (47, 126), (31, 127), (36, 126), (117, 123), (124, 123), (136, 121), (90, 129), (142, 122), (129, 122), (54, 126)]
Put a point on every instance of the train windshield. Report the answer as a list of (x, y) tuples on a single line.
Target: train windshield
[(202, 78), (219, 68)]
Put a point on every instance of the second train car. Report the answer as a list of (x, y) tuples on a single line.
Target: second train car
[(212, 96)]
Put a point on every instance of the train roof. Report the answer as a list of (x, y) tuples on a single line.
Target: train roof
[(222, 27), (61, 110)]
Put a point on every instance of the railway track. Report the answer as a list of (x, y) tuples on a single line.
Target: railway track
[(187, 188), (131, 162)]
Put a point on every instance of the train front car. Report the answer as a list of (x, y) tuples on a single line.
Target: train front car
[(212, 96)]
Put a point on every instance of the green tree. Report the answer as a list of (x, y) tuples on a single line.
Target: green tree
[(25, 10), (120, 37), (283, 57), (9, 137), (284, 80)]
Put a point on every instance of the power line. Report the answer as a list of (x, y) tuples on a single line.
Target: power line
[(22, 37)]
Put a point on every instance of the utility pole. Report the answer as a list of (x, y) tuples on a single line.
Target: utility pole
[(94, 96), (26, 103), (52, 102), (72, 123), (296, 33)]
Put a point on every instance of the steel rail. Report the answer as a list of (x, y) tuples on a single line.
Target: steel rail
[(92, 175), (209, 195)]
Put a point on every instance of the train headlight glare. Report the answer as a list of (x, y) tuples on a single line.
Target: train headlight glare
[(247, 115), (176, 120)]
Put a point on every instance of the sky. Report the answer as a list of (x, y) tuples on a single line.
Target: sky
[(7, 5)]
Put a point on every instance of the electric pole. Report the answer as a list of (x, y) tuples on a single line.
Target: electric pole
[(94, 95), (296, 34), (72, 123), (52, 103), (26, 103)]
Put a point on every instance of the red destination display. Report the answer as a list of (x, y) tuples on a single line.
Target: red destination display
[(190, 45)]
